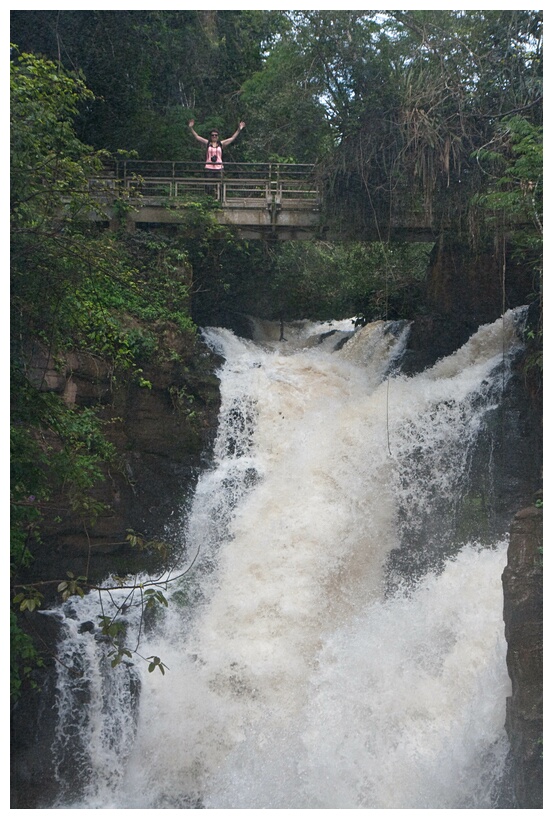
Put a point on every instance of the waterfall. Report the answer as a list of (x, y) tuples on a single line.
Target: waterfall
[(338, 640)]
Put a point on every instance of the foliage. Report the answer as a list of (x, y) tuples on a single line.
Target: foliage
[(414, 94), (513, 164), (48, 162), (24, 658), (270, 99), (327, 280), (70, 284), (56, 455), (221, 264), (512, 201)]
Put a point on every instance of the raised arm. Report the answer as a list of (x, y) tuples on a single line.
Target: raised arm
[(235, 134), (203, 140)]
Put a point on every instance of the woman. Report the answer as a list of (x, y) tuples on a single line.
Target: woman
[(214, 154)]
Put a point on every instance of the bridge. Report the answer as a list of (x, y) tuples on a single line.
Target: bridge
[(260, 200)]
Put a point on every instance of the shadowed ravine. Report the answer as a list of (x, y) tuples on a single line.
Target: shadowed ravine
[(339, 642)]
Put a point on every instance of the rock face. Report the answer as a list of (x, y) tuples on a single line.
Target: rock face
[(161, 433), (523, 615), (466, 288)]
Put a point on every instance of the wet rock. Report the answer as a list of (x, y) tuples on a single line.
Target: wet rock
[(523, 616)]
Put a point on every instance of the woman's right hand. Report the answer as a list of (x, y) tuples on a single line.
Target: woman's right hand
[(191, 123)]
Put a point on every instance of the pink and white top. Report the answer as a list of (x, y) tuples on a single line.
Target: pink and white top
[(214, 158)]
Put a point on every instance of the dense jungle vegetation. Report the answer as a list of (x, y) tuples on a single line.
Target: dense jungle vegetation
[(434, 109)]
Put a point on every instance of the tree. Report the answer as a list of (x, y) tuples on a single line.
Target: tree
[(150, 71), (286, 120), (450, 77)]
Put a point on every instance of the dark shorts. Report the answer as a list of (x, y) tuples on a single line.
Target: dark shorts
[(214, 176)]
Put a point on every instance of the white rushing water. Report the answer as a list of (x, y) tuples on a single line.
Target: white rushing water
[(308, 668)]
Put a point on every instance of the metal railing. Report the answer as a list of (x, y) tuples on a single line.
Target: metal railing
[(240, 184)]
